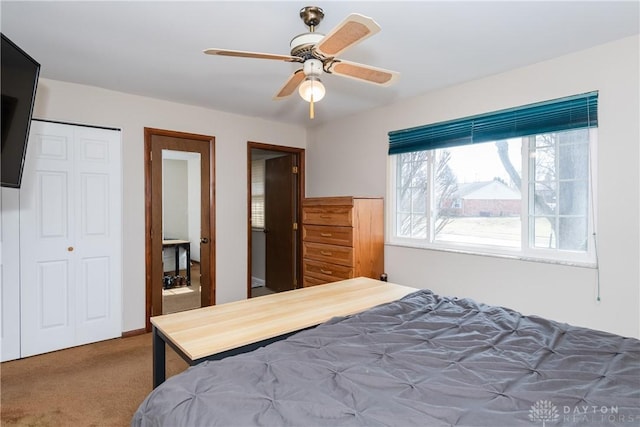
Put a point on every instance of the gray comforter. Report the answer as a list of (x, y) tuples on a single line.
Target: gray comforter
[(424, 360)]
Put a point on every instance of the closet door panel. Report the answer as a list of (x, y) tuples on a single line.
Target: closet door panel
[(98, 234), (52, 205), (93, 290), (47, 306), (53, 295), (94, 205)]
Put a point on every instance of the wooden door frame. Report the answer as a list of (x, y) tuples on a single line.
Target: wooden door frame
[(299, 153), (148, 133)]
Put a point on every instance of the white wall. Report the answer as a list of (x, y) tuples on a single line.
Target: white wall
[(350, 157), (175, 207), (75, 103)]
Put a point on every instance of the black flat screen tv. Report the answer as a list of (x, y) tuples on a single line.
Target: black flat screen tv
[(19, 80)]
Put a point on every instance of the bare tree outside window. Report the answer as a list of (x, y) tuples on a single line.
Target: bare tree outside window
[(412, 194), (413, 197), (446, 184), (559, 184)]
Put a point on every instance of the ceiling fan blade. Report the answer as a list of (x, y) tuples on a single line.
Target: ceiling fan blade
[(290, 85), (365, 73), (245, 54), (354, 29)]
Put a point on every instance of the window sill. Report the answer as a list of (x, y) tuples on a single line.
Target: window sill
[(494, 254)]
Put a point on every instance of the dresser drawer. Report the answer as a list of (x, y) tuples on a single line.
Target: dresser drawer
[(313, 281), (326, 271), (342, 236), (328, 215), (334, 254)]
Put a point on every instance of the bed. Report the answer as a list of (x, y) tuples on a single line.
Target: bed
[(423, 360)]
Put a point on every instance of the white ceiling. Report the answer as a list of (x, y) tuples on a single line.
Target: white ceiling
[(154, 49)]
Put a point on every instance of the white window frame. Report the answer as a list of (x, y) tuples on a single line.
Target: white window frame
[(525, 252)]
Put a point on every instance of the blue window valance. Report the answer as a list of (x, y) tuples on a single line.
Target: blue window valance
[(573, 112)]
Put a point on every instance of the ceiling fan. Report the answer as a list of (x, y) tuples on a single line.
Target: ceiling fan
[(318, 53)]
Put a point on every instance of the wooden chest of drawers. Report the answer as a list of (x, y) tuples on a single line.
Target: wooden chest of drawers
[(342, 238)]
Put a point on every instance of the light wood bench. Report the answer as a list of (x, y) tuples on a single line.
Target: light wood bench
[(224, 330)]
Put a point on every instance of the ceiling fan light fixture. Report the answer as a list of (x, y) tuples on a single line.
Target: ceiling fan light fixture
[(312, 88)]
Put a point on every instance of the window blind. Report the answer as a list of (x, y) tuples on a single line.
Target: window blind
[(573, 112), (257, 194)]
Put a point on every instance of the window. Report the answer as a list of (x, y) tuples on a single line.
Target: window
[(257, 194), (524, 193)]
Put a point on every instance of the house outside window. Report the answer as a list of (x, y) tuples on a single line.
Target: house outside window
[(529, 196)]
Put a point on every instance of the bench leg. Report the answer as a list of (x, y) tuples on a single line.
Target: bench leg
[(159, 355)]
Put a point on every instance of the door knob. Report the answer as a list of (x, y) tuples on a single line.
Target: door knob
[(204, 240)]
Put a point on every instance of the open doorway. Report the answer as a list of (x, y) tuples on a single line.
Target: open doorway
[(275, 191), (179, 217)]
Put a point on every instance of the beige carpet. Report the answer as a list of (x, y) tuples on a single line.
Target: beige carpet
[(183, 298), (180, 299), (99, 384)]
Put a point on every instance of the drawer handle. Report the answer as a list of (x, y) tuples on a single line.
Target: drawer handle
[(325, 234), (329, 272), (325, 216), (325, 253)]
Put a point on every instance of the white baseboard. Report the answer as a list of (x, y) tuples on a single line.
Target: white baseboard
[(256, 282)]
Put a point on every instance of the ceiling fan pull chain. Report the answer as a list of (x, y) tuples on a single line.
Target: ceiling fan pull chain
[(311, 112)]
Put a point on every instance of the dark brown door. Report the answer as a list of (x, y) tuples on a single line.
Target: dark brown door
[(279, 212), (155, 142)]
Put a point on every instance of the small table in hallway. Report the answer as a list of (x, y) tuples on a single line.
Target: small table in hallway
[(177, 244)]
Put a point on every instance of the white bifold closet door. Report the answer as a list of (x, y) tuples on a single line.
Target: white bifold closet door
[(70, 237)]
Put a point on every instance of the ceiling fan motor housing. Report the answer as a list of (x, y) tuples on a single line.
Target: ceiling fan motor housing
[(302, 44)]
